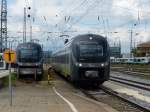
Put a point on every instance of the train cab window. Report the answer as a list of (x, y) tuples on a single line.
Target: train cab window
[(29, 52), (90, 50), (139, 60), (31, 55)]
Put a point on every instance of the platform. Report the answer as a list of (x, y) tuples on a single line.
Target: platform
[(41, 97), (4, 73)]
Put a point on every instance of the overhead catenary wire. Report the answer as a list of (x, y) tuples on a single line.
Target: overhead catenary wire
[(78, 7), (94, 5), (83, 2), (121, 25), (72, 3)]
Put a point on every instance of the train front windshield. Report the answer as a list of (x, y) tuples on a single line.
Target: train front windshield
[(90, 50), (29, 55)]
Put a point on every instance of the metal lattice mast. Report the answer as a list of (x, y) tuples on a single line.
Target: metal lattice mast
[(3, 37)]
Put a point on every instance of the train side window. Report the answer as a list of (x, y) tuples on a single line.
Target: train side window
[(138, 60)]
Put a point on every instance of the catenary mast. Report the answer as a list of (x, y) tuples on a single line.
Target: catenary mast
[(3, 36)]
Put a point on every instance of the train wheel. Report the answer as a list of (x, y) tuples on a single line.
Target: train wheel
[(99, 83)]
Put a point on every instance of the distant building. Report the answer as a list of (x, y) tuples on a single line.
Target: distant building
[(115, 52), (144, 49)]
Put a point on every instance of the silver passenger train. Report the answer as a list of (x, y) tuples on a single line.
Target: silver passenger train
[(85, 59)]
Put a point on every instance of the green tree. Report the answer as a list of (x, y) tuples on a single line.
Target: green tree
[(135, 52)]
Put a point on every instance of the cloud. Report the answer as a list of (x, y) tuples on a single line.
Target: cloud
[(86, 16), (16, 8)]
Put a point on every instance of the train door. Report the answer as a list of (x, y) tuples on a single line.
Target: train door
[(65, 64), (69, 62)]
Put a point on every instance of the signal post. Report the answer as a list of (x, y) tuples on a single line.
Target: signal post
[(10, 57)]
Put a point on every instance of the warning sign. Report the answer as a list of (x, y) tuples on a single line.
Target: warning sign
[(9, 56)]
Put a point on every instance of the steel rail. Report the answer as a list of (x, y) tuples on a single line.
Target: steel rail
[(114, 93), (132, 72), (136, 84)]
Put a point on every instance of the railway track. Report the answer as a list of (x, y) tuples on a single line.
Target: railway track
[(140, 85), (140, 106), (117, 95), (108, 94), (132, 83), (133, 72)]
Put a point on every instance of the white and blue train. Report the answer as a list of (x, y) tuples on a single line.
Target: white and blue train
[(134, 60)]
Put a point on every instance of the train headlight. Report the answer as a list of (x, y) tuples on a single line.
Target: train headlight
[(80, 65), (102, 65)]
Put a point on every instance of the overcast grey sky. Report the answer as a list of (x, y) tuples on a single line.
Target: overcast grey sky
[(111, 18)]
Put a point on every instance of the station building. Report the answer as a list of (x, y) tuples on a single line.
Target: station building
[(144, 49)]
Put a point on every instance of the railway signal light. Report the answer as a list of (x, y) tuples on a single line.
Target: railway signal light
[(29, 15)]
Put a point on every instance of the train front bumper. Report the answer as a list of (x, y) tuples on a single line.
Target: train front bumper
[(92, 71)]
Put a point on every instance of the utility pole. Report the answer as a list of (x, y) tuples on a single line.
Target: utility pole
[(29, 16), (24, 26), (131, 43), (30, 31), (120, 47), (3, 36)]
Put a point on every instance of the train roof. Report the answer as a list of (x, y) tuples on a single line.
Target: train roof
[(80, 37), (28, 43), (90, 35), (84, 36), (32, 43)]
